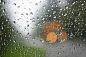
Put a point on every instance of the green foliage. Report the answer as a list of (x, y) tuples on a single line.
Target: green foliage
[(16, 50)]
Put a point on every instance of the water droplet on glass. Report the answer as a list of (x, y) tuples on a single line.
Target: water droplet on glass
[(22, 14), (14, 41), (14, 22), (36, 4), (26, 37), (54, 16), (65, 14), (33, 38), (43, 18), (2, 27), (7, 20), (33, 42), (80, 45), (84, 39), (82, 4), (44, 7), (48, 10), (42, 40), (26, 13), (14, 3), (3, 3), (66, 7), (4, 10), (31, 13), (59, 52), (20, 33), (28, 25), (60, 8), (18, 44), (18, 6)]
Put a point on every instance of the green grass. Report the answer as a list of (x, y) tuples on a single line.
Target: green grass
[(15, 50)]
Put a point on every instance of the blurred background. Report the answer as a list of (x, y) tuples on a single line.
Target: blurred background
[(22, 25)]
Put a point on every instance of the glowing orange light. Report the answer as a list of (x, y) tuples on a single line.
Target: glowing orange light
[(52, 27), (52, 37), (62, 36)]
